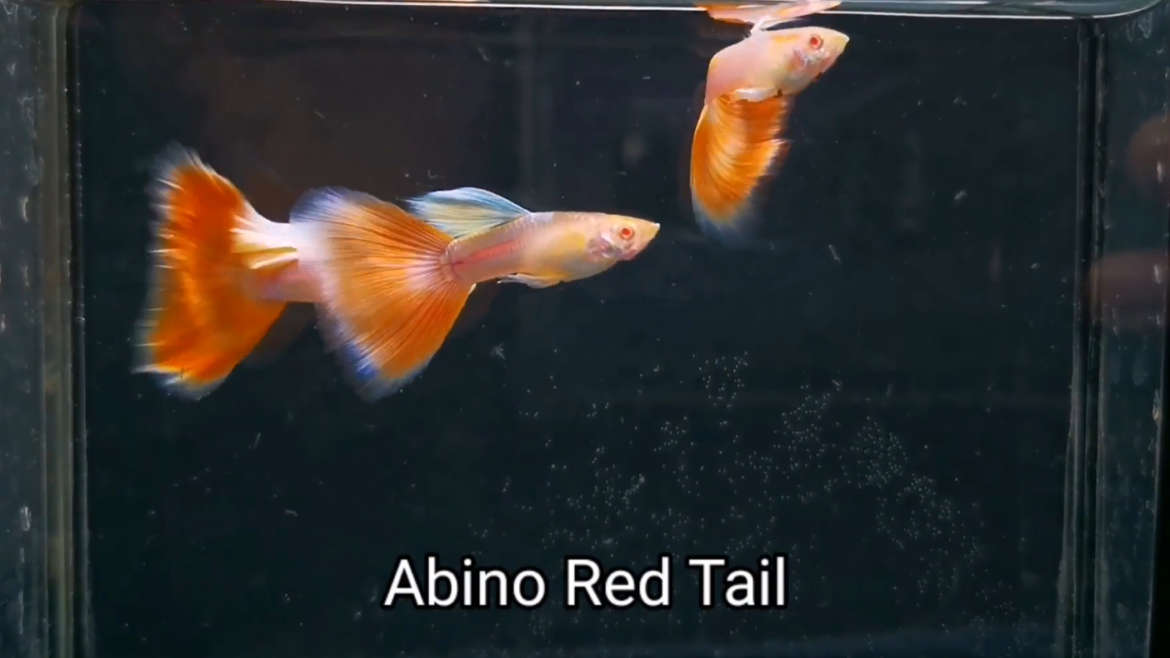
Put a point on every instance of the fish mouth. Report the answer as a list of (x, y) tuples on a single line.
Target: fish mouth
[(838, 41), (650, 233)]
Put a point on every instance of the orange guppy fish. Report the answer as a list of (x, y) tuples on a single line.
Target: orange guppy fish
[(749, 95), (388, 283)]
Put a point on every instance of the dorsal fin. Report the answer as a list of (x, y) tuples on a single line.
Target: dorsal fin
[(465, 210)]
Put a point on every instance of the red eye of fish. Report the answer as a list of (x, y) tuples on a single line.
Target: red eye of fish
[(815, 42), (626, 233)]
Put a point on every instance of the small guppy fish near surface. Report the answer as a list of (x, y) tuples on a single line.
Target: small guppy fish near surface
[(749, 94), (388, 283)]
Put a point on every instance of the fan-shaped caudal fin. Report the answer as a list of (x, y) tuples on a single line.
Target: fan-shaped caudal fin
[(736, 144), (390, 300), (762, 17), (201, 319)]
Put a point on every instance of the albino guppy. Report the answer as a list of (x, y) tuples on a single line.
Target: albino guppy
[(388, 284), (750, 88)]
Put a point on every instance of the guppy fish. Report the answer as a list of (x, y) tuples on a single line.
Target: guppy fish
[(750, 90), (762, 17), (388, 284)]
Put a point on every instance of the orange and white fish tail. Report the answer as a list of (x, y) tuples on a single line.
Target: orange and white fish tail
[(764, 16), (736, 144), (389, 298), (201, 319)]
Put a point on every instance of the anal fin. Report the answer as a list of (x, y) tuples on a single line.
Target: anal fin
[(532, 280)]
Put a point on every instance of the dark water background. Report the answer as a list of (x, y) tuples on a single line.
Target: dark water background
[(879, 389)]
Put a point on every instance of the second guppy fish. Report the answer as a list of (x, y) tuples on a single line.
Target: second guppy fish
[(388, 284), (749, 93)]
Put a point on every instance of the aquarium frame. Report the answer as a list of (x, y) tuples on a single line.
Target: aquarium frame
[(43, 541), (1116, 507), (43, 522), (1001, 9)]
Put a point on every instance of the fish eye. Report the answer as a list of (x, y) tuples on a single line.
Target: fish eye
[(815, 42), (626, 233)]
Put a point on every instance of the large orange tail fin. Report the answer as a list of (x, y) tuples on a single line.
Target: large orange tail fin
[(200, 320), (736, 144), (762, 17), (389, 299)]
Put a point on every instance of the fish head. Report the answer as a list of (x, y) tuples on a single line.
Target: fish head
[(801, 55), (618, 237)]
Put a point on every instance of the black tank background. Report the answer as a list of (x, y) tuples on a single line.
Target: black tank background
[(879, 386)]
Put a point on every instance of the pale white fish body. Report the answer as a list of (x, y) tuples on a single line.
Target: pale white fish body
[(774, 62), (540, 249), (496, 239)]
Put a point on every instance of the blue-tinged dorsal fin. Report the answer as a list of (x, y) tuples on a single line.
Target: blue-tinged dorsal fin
[(464, 210)]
